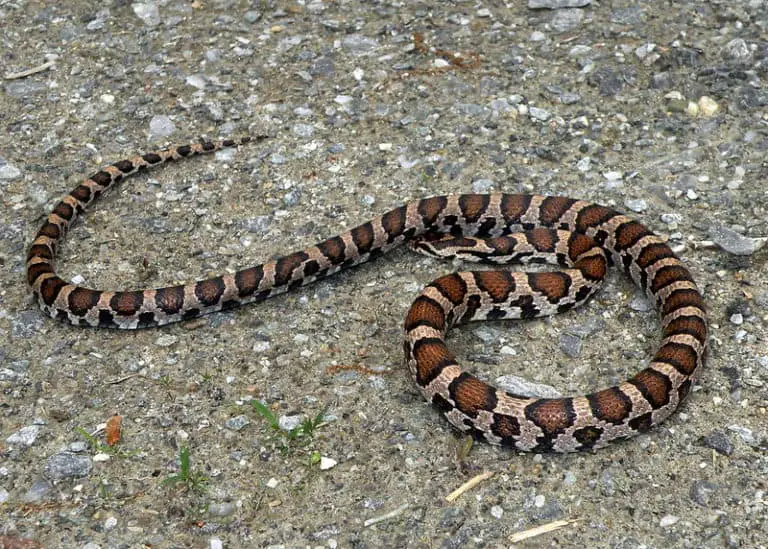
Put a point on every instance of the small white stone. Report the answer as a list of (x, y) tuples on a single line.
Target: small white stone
[(166, 340), (9, 172), (691, 194), (584, 165), (110, 523), (692, 109), (25, 436), (108, 98), (539, 501), (327, 463), (483, 12), (497, 511), (737, 319), (300, 338), (272, 483), (343, 99), (613, 176), (440, 63), (507, 350), (358, 74), (537, 36), (708, 106), (100, 457), (216, 543), (668, 520), (385, 146)]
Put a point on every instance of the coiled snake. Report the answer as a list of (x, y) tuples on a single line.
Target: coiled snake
[(494, 228)]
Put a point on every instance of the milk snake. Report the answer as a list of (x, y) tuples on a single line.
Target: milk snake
[(493, 228)]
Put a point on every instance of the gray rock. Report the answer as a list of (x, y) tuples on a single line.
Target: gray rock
[(566, 20), (303, 130), (482, 185), (357, 44), (737, 50), (25, 436), (221, 509), (147, 12), (557, 4), (24, 88), (522, 387), (292, 197), (733, 242), (236, 423), (39, 491), (67, 465), (570, 344), (288, 423), (9, 172), (251, 16), (701, 491), (539, 114), (258, 225), (26, 324), (636, 204), (719, 441), (161, 126)]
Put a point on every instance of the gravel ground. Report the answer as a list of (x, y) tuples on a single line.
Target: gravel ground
[(657, 108)]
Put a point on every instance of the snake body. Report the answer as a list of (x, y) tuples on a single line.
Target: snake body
[(493, 228)]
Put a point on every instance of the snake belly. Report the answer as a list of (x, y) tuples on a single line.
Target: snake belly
[(544, 224)]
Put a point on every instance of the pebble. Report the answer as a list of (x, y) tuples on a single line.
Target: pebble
[(39, 491), (482, 186), (733, 242), (522, 387), (640, 303), (303, 130), (636, 204), (668, 520), (744, 433), (566, 20), (719, 441), (166, 340), (215, 543), (147, 12), (737, 50), (557, 4), (327, 463), (221, 509), (110, 523), (289, 423), (258, 224), (161, 126), (9, 172), (539, 114), (4, 495), (24, 88), (237, 423), (737, 319), (570, 344), (358, 45), (25, 436), (67, 465), (497, 511), (701, 490)]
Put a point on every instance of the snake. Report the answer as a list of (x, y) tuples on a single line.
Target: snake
[(496, 228)]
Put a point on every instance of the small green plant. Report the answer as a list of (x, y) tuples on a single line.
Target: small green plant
[(191, 480), (99, 446), (305, 430)]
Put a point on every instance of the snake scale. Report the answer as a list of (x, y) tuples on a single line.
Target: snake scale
[(494, 228)]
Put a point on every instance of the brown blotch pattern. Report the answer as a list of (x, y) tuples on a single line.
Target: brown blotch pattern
[(551, 415), (285, 267), (82, 300), (208, 292), (552, 209), (430, 209), (654, 386), (425, 312), (506, 427), (514, 206), (452, 287), (691, 325), (652, 253), (497, 284), (333, 249), (248, 280), (50, 288), (127, 303), (64, 211), (593, 267), (679, 355), (543, 240), (473, 206), (578, 244), (34, 271), (610, 405), (667, 275), (393, 222), (553, 285), (170, 300), (681, 298), (362, 236), (432, 356), (628, 234), (593, 216), (472, 395)]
